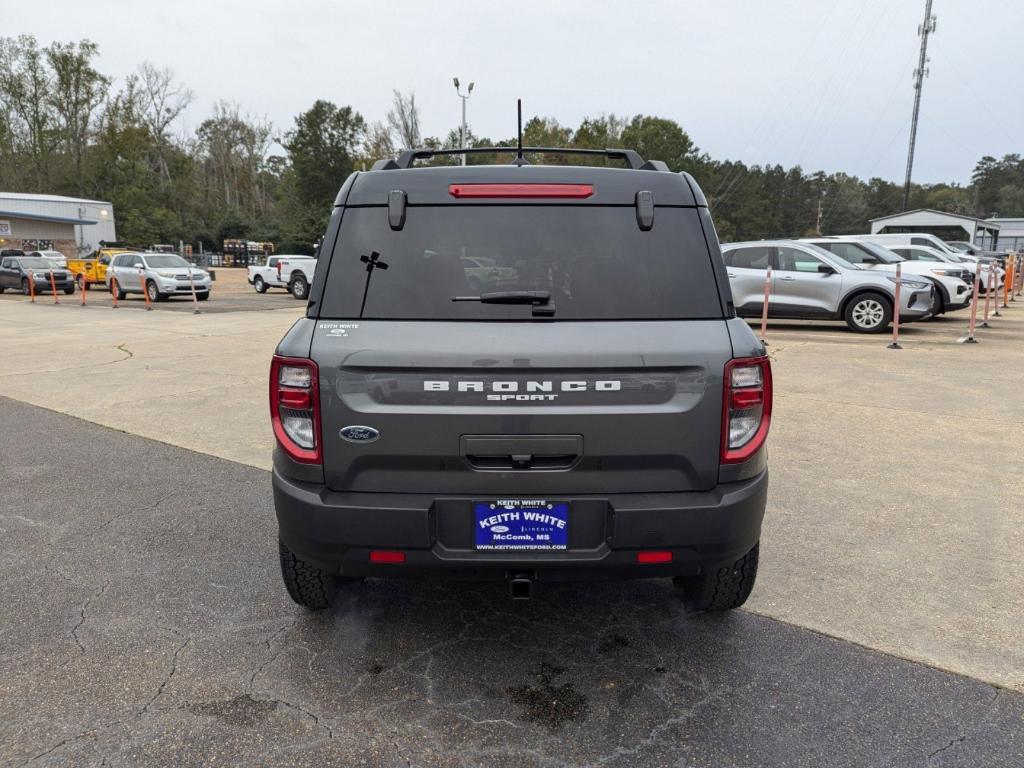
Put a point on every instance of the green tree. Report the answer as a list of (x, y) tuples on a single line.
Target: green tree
[(323, 148), (604, 132), (660, 139), (77, 90), (952, 199)]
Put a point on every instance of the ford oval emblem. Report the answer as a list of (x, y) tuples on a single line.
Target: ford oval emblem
[(359, 434)]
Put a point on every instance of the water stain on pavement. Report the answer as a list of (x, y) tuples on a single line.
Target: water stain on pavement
[(545, 702)]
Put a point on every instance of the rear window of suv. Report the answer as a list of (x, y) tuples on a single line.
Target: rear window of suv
[(594, 261)]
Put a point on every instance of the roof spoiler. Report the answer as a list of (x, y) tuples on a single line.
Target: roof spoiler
[(408, 157)]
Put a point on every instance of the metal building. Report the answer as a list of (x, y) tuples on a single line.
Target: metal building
[(71, 225), (1011, 234), (948, 226)]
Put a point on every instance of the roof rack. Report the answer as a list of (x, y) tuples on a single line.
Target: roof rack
[(409, 156)]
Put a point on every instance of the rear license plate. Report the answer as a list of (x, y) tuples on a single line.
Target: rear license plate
[(521, 524)]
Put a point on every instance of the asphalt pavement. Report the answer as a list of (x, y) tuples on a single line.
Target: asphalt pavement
[(144, 623)]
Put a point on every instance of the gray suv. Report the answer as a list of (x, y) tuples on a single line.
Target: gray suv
[(810, 283), (602, 414)]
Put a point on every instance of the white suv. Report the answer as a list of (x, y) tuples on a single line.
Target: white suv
[(160, 275), (949, 253), (951, 280)]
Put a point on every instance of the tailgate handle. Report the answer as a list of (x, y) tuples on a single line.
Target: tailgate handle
[(522, 452)]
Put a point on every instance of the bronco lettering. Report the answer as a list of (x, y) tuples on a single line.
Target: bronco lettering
[(512, 387)]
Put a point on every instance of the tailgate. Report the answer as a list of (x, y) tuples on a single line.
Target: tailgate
[(521, 408)]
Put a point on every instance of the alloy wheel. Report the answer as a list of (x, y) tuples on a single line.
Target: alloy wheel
[(868, 313)]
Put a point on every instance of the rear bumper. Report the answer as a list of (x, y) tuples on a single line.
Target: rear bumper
[(337, 531)]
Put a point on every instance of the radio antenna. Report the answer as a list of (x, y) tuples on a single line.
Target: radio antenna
[(520, 160)]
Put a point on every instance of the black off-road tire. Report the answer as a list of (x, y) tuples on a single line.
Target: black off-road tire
[(299, 288), (307, 585), (724, 588), (259, 285), (115, 288)]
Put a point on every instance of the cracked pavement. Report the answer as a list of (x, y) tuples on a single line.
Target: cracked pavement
[(144, 624)]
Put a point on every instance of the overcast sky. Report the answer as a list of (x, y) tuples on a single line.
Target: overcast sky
[(825, 84)]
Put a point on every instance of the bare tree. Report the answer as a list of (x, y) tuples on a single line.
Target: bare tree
[(231, 152), (404, 120), (378, 143), (25, 90), (164, 100)]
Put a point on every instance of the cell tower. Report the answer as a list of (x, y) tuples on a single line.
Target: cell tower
[(924, 30)]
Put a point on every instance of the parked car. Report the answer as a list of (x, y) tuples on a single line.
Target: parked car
[(933, 255), (809, 283), (952, 282), (426, 429), (937, 243), (58, 258), (160, 275), (25, 273), (484, 272), (964, 247), (291, 271)]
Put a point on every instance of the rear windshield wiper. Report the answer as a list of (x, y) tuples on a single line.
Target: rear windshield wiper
[(508, 297), (541, 300)]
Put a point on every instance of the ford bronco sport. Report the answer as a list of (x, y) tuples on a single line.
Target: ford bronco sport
[(601, 413)]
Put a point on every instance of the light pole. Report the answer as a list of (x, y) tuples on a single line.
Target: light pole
[(462, 130), (81, 231)]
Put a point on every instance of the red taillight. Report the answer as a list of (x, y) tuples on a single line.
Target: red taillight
[(295, 408), (387, 556), (746, 407), (653, 557), (577, 191)]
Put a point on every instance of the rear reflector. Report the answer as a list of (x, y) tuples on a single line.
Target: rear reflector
[(294, 398), (387, 556), (654, 556), (577, 191)]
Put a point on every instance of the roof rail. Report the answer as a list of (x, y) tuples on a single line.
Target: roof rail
[(409, 156)]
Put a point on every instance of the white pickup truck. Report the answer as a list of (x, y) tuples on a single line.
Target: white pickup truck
[(290, 271)]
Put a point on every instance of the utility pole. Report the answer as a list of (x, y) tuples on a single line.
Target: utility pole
[(925, 29), (462, 129)]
